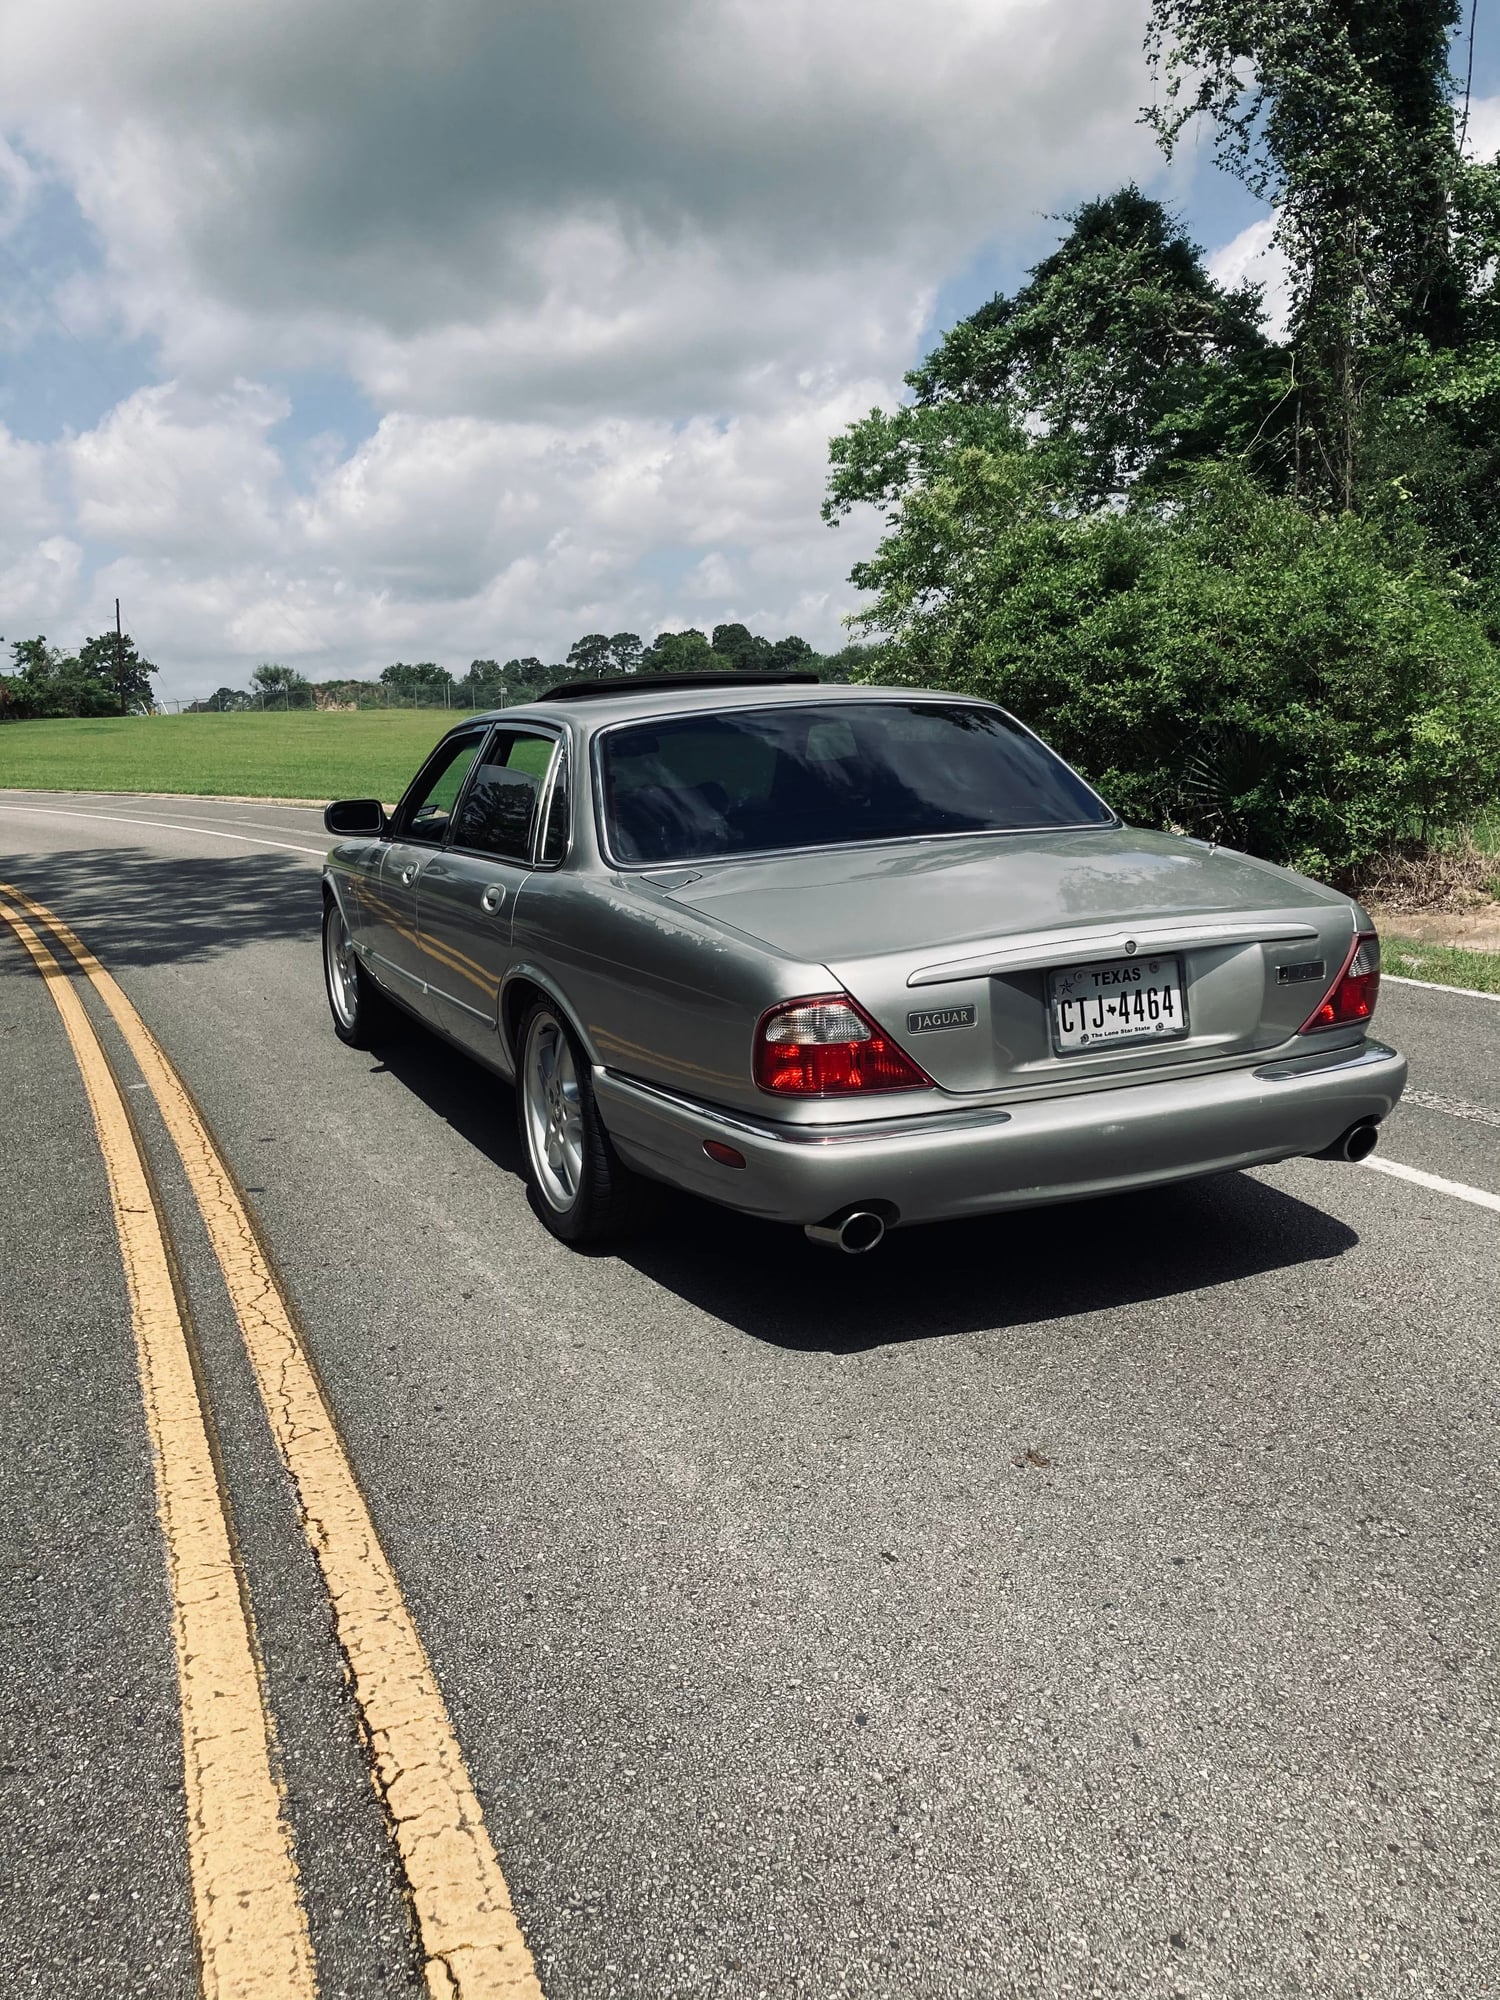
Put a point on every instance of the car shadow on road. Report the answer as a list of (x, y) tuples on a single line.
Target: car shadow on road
[(1083, 1258), (133, 907), (955, 1277), (462, 1092)]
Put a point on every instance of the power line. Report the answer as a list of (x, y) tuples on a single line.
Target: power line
[(1463, 127)]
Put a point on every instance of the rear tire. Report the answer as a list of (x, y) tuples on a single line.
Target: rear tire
[(580, 1188), (362, 1016)]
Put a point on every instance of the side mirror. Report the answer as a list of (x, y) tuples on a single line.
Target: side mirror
[(353, 816)]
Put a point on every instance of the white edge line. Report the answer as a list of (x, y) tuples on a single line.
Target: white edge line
[(1432, 986), (172, 825), (1480, 1197)]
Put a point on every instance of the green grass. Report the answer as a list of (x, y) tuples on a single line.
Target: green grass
[(1443, 964), (308, 754)]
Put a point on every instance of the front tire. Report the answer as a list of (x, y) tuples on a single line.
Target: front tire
[(362, 1016), (580, 1188)]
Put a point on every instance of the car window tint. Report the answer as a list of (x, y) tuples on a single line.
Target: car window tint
[(559, 821), (428, 818), (500, 805), (814, 776)]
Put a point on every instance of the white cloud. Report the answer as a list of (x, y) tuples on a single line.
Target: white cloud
[(180, 473), (453, 537), (1482, 140), (609, 276), (1254, 257)]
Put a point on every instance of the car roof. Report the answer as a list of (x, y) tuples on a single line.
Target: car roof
[(602, 710)]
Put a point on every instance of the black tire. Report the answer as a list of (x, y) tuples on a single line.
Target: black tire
[(580, 1188), (362, 1016)]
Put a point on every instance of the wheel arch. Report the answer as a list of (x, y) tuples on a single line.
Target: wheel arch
[(524, 985)]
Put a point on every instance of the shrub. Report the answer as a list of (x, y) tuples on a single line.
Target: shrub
[(1307, 686)]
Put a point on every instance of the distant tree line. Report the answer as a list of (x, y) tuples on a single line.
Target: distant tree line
[(106, 676), (496, 683)]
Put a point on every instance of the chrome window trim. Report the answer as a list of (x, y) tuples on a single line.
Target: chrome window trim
[(882, 700)]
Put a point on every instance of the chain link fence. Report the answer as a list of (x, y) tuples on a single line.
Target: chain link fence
[(369, 696)]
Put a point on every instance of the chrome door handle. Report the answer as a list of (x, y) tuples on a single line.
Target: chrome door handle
[(408, 875), (492, 898)]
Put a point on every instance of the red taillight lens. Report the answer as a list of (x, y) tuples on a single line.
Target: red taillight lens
[(1353, 994), (826, 1046)]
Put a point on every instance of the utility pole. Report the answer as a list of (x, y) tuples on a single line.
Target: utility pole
[(119, 658)]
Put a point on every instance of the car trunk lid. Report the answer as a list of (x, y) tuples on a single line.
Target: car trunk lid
[(950, 945)]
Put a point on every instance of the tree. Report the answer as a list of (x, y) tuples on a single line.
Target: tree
[(415, 680), (1226, 661), (625, 651), (281, 687), (591, 655), (484, 684), (1339, 114), (1120, 353), (527, 678), (111, 660), (686, 652), (49, 682)]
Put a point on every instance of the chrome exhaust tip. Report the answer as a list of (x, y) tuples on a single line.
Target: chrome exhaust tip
[(1356, 1144), (856, 1233)]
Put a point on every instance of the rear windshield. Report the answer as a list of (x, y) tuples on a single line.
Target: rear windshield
[(818, 775)]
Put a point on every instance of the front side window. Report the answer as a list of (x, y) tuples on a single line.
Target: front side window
[(817, 775), (500, 806), (441, 784)]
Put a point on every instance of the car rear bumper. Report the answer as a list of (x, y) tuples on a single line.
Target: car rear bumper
[(969, 1161)]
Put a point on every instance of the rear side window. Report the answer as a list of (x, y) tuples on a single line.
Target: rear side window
[(559, 816), (499, 808), (814, 776)]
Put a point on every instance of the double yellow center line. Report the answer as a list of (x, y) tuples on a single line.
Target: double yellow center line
[(252, 1929)]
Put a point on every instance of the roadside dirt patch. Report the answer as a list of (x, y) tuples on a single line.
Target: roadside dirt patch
[(1471, 930)]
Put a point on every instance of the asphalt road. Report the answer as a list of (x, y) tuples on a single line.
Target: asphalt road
[(1099, 1601)]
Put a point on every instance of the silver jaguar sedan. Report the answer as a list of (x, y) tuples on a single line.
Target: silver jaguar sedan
[(849, 957)]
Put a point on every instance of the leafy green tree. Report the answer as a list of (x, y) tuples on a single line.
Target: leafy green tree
[(740, 646), (422, 677), (625, 651), (686, 652), (111, 661), (1120, 353), (1226, 661), (49, 682), (789, 654), (529, 677), (281, 687), (1338, 113), (484, 684)]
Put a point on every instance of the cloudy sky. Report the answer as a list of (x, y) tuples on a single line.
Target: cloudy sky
[(341, 331)]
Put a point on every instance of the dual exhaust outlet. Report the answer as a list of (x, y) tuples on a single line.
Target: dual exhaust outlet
[(860, 1230)]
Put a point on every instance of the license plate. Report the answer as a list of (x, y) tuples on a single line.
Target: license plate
[(1122, 1000)]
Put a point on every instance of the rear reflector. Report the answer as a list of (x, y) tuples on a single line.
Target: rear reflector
[(1352, 996), (827, 1046), (726, 1156)]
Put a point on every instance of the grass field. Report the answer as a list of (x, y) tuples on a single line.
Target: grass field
[(1443, 964), (309, 754)]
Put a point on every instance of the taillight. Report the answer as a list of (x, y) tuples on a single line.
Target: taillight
[(1352, 996), (827, 1046)]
